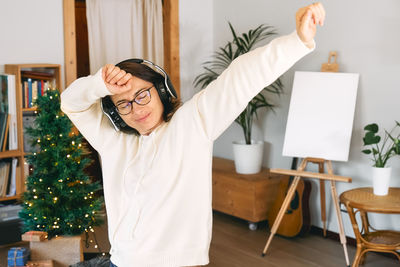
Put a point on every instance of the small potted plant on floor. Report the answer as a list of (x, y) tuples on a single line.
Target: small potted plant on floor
[(381, 154), (247, 153)]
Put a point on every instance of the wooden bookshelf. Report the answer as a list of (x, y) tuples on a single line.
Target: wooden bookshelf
[(2, 199), (28, 109), (10, 154), (50, 72)]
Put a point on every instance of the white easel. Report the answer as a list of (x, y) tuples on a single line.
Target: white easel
[(300, 172)]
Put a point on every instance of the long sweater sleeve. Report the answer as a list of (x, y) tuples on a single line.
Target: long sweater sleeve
[(81, 102), (225, 98)]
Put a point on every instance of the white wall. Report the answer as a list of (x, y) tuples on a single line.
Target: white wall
[(196, 41), (31, 32), (365, 35)]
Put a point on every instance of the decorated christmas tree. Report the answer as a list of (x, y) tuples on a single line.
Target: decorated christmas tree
[(60, 197)]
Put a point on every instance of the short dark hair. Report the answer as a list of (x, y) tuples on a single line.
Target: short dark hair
[(146, 73)]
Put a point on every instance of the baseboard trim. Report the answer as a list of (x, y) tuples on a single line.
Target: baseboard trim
[(332, 235), (350, 240)]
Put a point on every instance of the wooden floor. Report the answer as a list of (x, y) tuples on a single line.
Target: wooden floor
[(234, 245)]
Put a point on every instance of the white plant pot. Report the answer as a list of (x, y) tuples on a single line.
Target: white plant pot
[(248, 158), (381, 180)]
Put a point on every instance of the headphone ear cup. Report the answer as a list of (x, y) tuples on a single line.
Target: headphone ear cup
[(171, 88), (111, 113), (162, 92)]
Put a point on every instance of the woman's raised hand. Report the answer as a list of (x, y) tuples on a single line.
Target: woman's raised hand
[(307, 19), (116, 80)]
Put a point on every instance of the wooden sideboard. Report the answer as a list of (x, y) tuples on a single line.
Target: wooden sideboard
[(246, 196)]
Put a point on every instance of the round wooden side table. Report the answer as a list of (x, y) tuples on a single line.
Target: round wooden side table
[(363, 200)]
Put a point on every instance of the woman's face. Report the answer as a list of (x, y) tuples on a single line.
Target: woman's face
[(143, 118)]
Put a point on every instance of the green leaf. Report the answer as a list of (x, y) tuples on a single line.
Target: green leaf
[(370, 138), (391, 137), (397, 147), (373, 127), (367, 151)]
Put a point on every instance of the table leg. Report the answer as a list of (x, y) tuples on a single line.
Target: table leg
[(281, 213), (365, 222), (357, 257), (365, 230)]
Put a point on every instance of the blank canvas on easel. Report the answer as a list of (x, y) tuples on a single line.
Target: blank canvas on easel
[(321, 114)]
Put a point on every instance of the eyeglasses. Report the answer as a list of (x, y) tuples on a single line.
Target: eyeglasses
[(142, 98)]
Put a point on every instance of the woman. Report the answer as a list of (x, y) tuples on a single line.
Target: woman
[(157, 166)]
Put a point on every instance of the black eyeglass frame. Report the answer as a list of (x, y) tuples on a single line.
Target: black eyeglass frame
[(135, 100)]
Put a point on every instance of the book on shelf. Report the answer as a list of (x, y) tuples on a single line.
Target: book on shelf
[(8, 105), (6, 130), (29, 93), (34, 91), (12, 183), (4, 177), (25, 98), (3, 127)]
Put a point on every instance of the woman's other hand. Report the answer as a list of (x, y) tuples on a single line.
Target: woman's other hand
[(116, 80), (307, 19)]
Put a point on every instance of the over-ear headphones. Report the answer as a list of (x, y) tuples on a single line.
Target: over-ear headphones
[(164, 88)]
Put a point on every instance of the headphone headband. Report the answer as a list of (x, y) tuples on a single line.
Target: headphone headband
[(156, 68)]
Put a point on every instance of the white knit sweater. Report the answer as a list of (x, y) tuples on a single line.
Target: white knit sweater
[(158, 187)]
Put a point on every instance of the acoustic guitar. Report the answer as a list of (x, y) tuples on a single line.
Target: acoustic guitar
[(296, 220)]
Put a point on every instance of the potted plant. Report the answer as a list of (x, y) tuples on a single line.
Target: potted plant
[(381, 154), (247, 153)]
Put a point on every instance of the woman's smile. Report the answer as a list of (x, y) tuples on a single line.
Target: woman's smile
[(142, 119)]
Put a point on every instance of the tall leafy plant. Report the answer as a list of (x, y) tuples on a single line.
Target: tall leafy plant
[(223, 57)]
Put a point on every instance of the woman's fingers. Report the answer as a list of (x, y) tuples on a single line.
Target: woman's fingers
[(107, 70), (318, 13), (307, 19), (117, 76), (124, 79), (322, 9), (114, 72), (300, 14)]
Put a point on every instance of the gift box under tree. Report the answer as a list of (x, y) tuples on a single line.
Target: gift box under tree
[(63, 250), (34, 236), (17, 256), (41, 263)]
